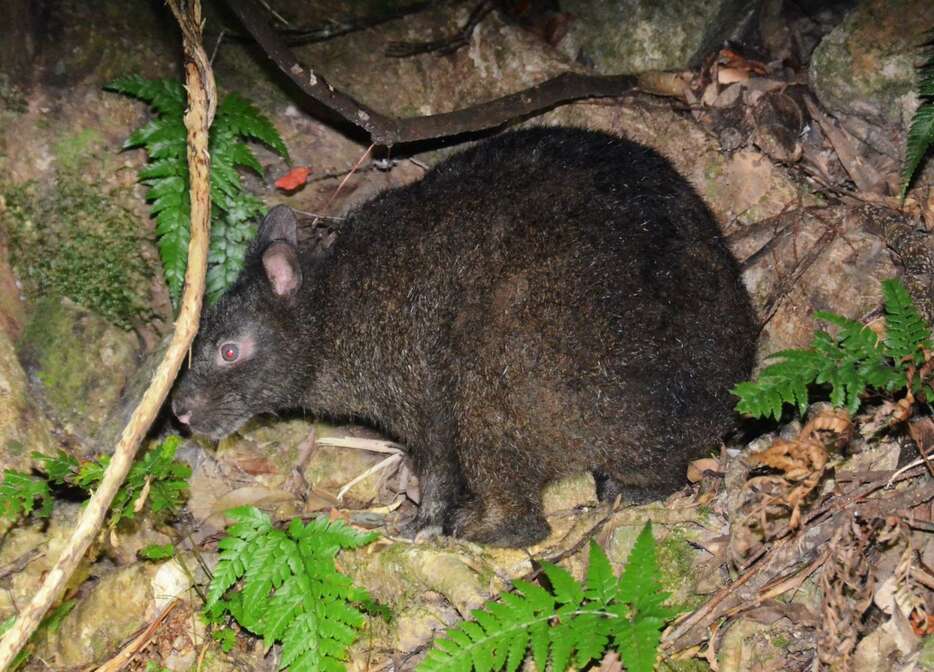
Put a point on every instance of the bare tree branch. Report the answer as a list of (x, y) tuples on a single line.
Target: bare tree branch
[(446, 45), (388, 131), (201, 105)]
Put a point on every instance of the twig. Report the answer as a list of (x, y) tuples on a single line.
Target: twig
[(446, 45), (382, 464), (388, 131), (762, 576), (119, 661), (340, 186), (298, 35), (372, 445), (20, 563), (907, 467), (201, 106)]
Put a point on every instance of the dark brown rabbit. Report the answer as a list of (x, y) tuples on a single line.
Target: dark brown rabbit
[(547, 302)]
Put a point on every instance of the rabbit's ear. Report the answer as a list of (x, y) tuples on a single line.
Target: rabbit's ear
[(279, 224), (280, 261)]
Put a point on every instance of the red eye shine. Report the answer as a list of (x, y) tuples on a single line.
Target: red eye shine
[(230, 352)]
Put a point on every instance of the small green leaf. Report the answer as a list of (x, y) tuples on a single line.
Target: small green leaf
[(566, 589), (157, 552), (226, 637)]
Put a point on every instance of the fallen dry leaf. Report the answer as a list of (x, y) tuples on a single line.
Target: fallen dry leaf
[(697, 468), (295, 178)]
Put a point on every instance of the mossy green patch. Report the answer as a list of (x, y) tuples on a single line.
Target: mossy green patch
[(688, 665), (81, 361), (926, 657), (48, 342), (780, 641), (71, 240), (676, 568), (73, 150), (14, 447)]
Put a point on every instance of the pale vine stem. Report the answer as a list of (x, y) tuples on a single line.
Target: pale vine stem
[(202, 101)]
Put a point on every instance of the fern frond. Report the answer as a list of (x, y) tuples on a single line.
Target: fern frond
[(569, 622), (785, 382), (234, 209), (285, 587), (906, 332), (921, 132), (243, 118), (850, 363), (21, 494), (167, 96)]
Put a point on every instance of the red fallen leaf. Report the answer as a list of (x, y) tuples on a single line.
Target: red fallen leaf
[(294, 179)]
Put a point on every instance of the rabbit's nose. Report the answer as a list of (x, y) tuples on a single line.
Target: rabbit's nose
[(183, 414)]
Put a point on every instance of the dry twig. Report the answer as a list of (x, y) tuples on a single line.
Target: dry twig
[(847, 583), (202, 101)]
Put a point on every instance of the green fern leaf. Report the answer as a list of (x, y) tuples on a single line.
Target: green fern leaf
[(284, 587), (19, 494), (562, 645), (164, 139), (906, 332), (566, 589), (300, 644), (172, 229), (851, 362), (60, 468), (163, 168), (638, 584), (594, 635), (920, 138), (241, 155), (638, 643), (165, 95), (502, 633), (785, 382), (242, 118), (601, 584)]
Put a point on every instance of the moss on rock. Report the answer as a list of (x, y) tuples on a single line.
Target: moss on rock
[(73, 241), (80, 361)]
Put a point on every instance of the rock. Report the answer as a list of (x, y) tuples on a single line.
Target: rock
[(80, 362), (775, 645), (31, 549), (119, 604), (23, 427), (136, 381), (427, 586), (863, 72), (812, 259), (790, 31), (12, 312), (648, 35), (866, 66)]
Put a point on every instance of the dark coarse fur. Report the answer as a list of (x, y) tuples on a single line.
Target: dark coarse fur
[(547, 302)]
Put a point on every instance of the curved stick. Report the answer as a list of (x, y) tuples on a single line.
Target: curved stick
[(201, 105)]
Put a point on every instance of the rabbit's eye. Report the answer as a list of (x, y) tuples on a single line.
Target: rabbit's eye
[(230, 352)]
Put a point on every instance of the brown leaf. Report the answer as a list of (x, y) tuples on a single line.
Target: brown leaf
[(697, 468)]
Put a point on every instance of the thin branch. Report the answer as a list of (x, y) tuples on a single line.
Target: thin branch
[(201, 96), (295, 36), (337, 27), (446, 45), (388, 131)]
